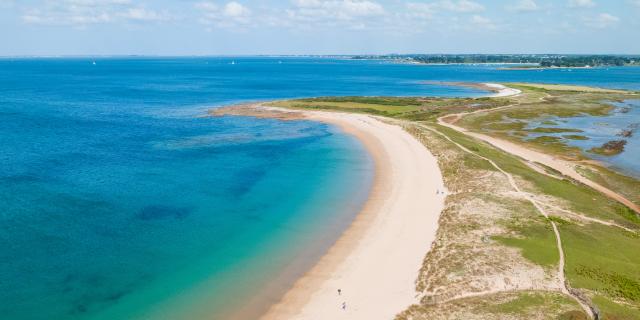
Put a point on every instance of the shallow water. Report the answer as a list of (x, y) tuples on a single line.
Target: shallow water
[(601, 129), (117, 200)]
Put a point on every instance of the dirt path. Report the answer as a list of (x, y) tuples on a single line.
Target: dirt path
[(590, 219), (562, 283), (565, 167)]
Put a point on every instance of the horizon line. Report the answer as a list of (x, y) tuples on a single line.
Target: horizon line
[(296, 55)]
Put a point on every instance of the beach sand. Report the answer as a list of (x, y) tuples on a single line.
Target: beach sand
[(501, 90), (375, 262), (498, 90)]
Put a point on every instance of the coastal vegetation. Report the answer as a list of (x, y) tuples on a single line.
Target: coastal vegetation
[(625, 185), (503, 305), (575, 137), (532, 60), (555, 103), (496, 252), (405, 108)]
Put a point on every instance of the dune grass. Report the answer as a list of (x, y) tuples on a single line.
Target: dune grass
[(602, 260), (355, 106), (605, 261), (599, 258), (564, 87), (610, 310), (525, 301), (537, 243), (504, 306), (580, 198), (410, 108), (627, 186)]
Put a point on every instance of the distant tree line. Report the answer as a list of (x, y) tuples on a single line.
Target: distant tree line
[(543, 60)]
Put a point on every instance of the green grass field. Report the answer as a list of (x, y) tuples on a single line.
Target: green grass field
[(416, 109), (537, 243), (607, 262)]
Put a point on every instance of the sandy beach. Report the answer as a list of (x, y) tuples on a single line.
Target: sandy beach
[(375, 262), (501, 90), (497, 89)]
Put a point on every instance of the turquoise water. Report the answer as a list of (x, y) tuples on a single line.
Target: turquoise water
[(119, 200)]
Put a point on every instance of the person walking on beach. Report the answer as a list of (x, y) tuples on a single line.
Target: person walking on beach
[(339, 292), (344, 306)]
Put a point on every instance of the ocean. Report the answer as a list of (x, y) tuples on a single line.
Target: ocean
[(121, 199)]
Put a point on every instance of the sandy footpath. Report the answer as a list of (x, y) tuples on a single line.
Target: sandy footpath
[(375, 262), (567, 168)]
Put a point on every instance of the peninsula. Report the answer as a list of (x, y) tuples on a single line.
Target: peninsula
[(525, 227)]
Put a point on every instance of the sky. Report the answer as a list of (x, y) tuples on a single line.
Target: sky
[(300, 27)]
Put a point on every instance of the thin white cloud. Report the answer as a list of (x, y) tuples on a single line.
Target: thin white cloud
[(230, 15), (142, 14), (581, 3), (461, 6), (525, 6), (341, 9), (420, 10), (419, 17), (206, 6), (86, 12), (234, 9), (635, 3), (601, 21), (370, 15), (352, 14), (362, 8), (483, 22)]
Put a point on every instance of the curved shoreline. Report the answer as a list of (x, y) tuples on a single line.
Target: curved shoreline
[(314, 296), (502, 90), (375, 262), (497, 90)]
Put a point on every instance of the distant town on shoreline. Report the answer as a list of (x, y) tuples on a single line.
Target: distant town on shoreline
[(530, 60)]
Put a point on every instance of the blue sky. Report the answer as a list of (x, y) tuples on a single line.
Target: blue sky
[(214, 27)]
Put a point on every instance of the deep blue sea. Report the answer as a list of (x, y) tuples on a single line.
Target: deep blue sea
[(119, 199)]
